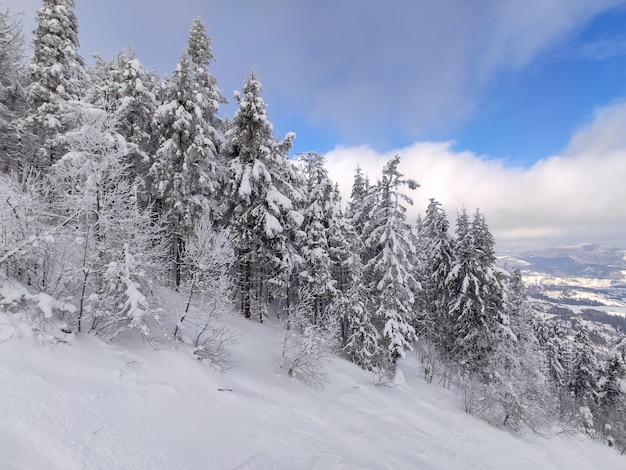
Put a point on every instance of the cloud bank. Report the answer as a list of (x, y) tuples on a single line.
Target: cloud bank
[(578, 196)]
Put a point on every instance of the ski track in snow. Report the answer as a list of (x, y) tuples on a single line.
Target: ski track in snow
[(89, 405)]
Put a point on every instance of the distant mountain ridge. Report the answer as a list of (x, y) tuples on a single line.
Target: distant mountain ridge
[(585, 260)]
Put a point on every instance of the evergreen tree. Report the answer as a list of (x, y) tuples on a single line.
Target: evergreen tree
[(259, 199), (201, 56), (518, 390), (360, 188), (12, 92), (124, 88), (363, 341), (185, 176), (439, 257), (57, 78), (583, 370), (320, 213), (390, 271), (346, 247), (476, 304), (553, 340), (610, 393)]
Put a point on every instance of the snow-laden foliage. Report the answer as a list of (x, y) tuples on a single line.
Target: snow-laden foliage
[(261, 199), (307, 346), (518, 394), (184, 179), (320, 212), (438, 258), (57, 78), (109, 241), (124, 88), (207, 263), (12, 92), (389, 264), (476, 301), (81, 248)]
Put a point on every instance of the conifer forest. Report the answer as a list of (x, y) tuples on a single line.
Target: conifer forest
[(116, 183)]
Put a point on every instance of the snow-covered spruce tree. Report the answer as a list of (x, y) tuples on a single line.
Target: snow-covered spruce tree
[(201, 56), (110, 241), (259, 201), (583, 377), (12, 91), (476, 303), (354, 307), (184, 178), (518, 395), (356, 210), (125, 89), (389, 270), (320, 213), (57, 78), (437, 248), (552, 339), (346, 248), (610, 419)]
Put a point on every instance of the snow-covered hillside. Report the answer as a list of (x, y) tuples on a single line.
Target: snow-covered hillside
[(85, 404)]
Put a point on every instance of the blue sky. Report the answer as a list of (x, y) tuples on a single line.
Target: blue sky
[(513, 87)]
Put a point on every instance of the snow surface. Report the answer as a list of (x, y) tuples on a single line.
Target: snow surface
[(85, 404)]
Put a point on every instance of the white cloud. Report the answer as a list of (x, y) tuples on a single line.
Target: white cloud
[(574, 197)]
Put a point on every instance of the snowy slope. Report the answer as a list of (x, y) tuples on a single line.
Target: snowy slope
[(90, 405)]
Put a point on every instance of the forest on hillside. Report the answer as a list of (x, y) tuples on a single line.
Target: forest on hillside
[(115, 181)]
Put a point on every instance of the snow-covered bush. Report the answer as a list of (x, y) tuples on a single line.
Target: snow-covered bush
[(110, 242), (207, 265), (308, 347)]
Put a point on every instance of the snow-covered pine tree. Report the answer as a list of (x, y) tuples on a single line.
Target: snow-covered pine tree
[(346, 248), (12, 91), (259, 200), (57, 78), (389, 270), (495, 279), (185, 177), (124, 88), (476, 303), (360, 187), (320, 213), (583, 375), (201, 56), (518, 394), (611, 413), (437, 247), (553, 340), (354, 307)]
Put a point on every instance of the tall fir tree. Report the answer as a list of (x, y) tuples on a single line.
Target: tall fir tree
[(12, 91), (476, 303), (57, 78), (201, 55), (439, 257), (259, 200), (124, 88), (320, 213), (389, 270), (583, 372), (185, 176)]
